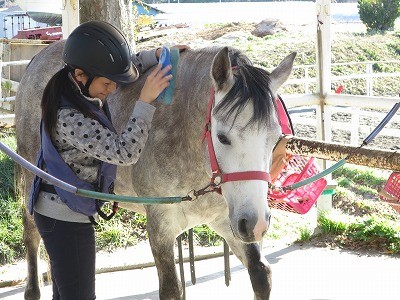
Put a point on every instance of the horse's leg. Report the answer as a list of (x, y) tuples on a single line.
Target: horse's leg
[(31, 241), (250, 255), (163, 228), (31, 237)]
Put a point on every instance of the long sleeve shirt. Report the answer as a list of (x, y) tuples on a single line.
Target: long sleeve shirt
[(83, 143)]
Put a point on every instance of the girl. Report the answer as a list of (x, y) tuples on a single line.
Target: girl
[(80, 146)]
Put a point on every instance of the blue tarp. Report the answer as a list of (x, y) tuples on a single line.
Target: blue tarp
[(145, 9)]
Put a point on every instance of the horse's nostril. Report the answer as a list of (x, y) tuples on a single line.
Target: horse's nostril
[(243, 226)]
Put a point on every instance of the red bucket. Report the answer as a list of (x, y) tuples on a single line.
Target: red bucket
[(299, 200), (391, 191)]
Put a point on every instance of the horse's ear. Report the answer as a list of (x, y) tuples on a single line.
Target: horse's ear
[(221, 71), (282, 72)]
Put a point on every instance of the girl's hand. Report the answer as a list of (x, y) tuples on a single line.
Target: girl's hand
[(155, 83)]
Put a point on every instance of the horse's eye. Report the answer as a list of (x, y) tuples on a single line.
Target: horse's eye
[(223, 139)]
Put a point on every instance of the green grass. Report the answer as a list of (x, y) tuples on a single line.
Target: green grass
[(381, 233), (11, 246), (206, 236), (332, 224), (114, 234), (305, 234), (366, 177)]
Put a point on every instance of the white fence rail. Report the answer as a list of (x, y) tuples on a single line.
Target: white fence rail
[(14, 85), (352, 123), (368, 74)]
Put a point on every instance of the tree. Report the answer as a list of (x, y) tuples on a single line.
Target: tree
[(117, 12), (379, 14)]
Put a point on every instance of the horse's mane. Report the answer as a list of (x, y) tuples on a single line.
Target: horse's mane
[(251, 84)]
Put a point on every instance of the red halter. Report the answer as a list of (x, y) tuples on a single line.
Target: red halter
[(217, 176)]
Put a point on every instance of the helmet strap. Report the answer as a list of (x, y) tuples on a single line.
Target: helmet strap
[(83, 87)]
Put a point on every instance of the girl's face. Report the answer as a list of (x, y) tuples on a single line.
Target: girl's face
[(100, 86)]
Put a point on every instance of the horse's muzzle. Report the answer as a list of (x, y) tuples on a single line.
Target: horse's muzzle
[(251, 229)]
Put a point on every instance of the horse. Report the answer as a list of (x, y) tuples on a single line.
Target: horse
[(243, 129)]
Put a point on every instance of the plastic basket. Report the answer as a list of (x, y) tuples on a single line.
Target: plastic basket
[(391, 192), (301, 199)]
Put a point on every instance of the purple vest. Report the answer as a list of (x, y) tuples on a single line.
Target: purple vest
[(57, 167)]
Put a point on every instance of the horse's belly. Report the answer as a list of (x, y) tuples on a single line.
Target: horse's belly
[(124, 186)]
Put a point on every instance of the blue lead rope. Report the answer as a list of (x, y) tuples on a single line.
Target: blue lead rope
[(81, 192), (382, 124)]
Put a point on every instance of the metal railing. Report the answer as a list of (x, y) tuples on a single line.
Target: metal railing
[(353, 123), (14, 84), (369, 75)]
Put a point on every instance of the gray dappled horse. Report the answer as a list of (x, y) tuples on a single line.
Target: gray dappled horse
[(175, 160)]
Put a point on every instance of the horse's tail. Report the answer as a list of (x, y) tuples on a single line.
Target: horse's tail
[(19, 182)]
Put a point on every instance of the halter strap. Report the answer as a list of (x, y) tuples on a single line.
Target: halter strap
[(218, 176)]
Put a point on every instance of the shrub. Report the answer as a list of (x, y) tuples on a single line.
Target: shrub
[(11, 246), (379, 15)]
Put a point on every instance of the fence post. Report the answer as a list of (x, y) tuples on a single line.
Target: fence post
[(355, 124), (70, 16), (369, 80), (1, 69), (324, 202), (328, 123), (323, 58), (306, 76)]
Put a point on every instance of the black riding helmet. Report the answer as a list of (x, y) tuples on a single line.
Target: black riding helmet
[(100, 49)]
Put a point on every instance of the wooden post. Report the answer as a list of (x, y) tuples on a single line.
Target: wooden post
[(323, 10), (323, 56), (328, 123), (70, 16), (1, 68), (369, 80), (369, 157), (355, 124)]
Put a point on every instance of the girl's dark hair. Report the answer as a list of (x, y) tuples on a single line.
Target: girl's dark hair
[(60, 85)]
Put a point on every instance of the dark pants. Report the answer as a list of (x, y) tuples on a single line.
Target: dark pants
[(71, 248)]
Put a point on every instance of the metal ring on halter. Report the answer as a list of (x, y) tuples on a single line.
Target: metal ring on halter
[(217, 180)]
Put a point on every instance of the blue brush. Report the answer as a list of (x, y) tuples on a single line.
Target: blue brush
[(169, 57)]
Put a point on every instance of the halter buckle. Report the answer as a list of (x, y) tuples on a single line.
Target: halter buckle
[(216, 180)]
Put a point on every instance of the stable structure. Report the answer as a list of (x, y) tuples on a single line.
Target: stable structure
[(66, 13), (46, 12), (14, 19)]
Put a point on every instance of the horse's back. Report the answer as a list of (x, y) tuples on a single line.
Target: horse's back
[(175, 139), (27, 109)]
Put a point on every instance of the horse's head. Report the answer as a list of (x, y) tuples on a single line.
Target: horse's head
[(244, 130)]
